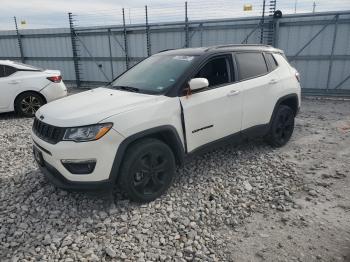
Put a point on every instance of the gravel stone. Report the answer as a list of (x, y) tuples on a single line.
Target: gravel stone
[(313, 193), (110, 252), (213, 192), (247, 186)]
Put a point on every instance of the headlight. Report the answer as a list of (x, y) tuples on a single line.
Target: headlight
[(87, 133)]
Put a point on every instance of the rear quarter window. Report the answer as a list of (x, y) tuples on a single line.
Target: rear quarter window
[(272, 63), (281, 59), (250, 64)]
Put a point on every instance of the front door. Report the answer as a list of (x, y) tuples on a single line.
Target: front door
[(214, 112)]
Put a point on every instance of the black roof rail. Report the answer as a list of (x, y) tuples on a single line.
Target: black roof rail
[(164, 50)]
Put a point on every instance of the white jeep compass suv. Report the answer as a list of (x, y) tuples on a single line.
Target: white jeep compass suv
[(134, 131)]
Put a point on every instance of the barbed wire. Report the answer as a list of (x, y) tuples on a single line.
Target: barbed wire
[(170, 12)]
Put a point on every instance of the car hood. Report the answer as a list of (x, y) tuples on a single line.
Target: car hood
[(91, 106)]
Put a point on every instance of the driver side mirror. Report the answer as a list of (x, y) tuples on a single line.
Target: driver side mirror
[(198, 83)]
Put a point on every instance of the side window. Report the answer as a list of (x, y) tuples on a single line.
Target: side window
[(2, 70), (216, 71), (9, 70), (250, 65), (271, 61)]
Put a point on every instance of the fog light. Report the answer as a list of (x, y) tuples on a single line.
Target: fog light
[(79, 167)]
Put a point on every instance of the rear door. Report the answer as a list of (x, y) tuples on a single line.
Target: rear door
[(214, 112), (258, 86)]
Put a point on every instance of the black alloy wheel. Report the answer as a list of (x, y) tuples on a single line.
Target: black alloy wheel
[(148, 170), (282, 126), (28, 103)]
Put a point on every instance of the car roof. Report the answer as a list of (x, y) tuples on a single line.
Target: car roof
[(7, 62), (16, 64), (220, 49)]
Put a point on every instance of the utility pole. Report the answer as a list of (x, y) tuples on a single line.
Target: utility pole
[(295, 6), (313, 7)]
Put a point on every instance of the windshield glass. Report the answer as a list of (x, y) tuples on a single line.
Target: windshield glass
[(155, 74)]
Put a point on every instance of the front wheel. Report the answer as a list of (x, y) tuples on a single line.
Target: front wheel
[(28, 103), (282, 126), (147, 171)]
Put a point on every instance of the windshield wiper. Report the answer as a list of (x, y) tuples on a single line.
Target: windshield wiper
[(127, 88)]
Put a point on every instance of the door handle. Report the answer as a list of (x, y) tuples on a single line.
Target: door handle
[(233, 93), (14, 82), (273, 81)]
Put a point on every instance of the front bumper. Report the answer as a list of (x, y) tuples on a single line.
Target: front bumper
[(103, 150), (57, 179)]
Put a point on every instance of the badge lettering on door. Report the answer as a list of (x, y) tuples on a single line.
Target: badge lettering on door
[(202, 128)]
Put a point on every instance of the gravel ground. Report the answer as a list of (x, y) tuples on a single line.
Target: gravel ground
[(239, 203)]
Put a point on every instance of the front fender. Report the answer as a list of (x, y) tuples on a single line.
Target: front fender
[(167, 133)]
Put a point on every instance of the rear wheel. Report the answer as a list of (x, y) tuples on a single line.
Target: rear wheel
[(28, 103), (282, 126), (148, 170)]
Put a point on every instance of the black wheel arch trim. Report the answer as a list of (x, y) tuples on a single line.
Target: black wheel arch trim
[(172, 140), (280, 101)]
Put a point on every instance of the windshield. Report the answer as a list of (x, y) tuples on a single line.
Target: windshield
[(155, 74)]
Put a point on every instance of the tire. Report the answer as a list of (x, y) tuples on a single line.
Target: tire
[(282, 126), (26, 104), (147, 171)]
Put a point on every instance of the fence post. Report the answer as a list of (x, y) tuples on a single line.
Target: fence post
[(186, 27), (125, 42), (332, 51), (110, 53), (262, 23), (74, 50), (19, 40), (148, 37)]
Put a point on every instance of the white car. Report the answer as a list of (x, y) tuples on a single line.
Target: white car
[(24, 88), (134, 131)]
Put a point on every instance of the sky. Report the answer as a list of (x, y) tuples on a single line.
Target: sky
[(53, 13)]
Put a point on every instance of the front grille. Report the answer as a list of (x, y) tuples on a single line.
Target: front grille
[(48, 133)]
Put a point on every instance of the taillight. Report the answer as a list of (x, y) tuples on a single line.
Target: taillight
[(297, 76), (55, 79)]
